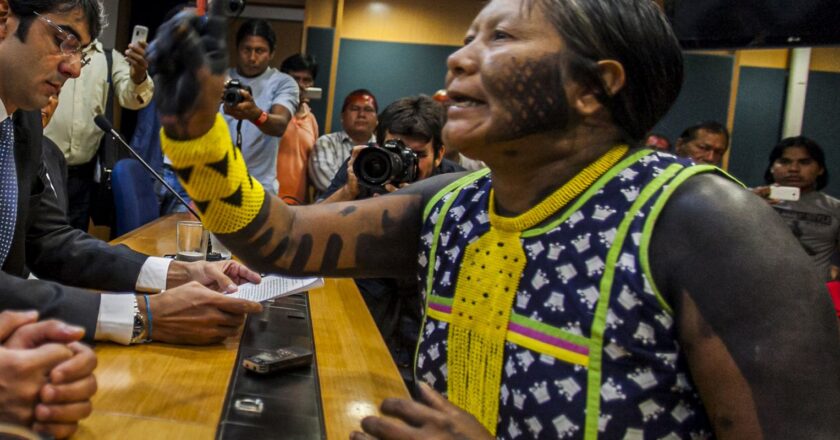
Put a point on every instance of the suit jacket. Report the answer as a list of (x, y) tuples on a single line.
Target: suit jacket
[(55, 252)]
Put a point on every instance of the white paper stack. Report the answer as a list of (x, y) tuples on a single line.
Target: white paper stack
[(274, 286)]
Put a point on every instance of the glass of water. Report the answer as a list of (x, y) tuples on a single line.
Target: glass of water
[(191, 239)]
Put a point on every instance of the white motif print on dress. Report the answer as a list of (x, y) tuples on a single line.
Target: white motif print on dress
[(681, 412), (535, 249), (482, 217), (534, 426), (627, 174), (615, 351), (575, 218), (540, 392), (665, 320), (453, 253), (504, 393), (555, 302), (522, 300), (547, 359), (574, 328), (513, 429), (649, 159), (457, 213), (566, 272), (444, 239), (631, 193), (594, 266), (524, 359), (539, 280), (588, 296), (682, 385), (427, 239), (606, 237), (434, 351), (603, 421), (581, 242), (519, 399), (422, 260), (612, 391), (637, 237), (510, 367), (565, 428), (627, 262), (602, 212), (429, 378), (465, 227), (613, 321), (478, 196), (568, 388), (628, 299), (445, 280), (554, 250), (644, 334), (650, 410), (633, 434), (433, 218), (667, 359), (643, 377)]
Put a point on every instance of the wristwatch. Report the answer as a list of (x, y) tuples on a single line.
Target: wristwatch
[(138, 332), (260, 119)]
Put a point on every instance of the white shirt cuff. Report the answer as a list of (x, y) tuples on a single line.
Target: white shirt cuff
[(152, 278), (116, 318)]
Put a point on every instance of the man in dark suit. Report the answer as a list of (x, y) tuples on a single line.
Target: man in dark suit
[(42, 49)]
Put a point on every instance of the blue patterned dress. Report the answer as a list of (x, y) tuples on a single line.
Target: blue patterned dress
[(591, 348)]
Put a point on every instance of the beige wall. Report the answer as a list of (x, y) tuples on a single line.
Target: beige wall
[(409, 21)]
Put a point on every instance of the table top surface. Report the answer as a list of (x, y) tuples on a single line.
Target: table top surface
[(152, 390)]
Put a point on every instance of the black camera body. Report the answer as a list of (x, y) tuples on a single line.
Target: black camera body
[(233, 92), (393, 163)]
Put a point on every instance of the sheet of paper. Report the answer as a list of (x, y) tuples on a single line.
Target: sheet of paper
[(274, 286)]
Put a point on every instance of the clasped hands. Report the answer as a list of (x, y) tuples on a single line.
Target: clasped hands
[(46, 375)]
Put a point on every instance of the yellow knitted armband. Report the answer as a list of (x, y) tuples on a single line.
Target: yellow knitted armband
[(214, 174)]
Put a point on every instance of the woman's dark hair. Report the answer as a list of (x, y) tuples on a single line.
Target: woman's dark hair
[(258, 28), (634, 33), (25, 10), (298, 62), (814, 150)]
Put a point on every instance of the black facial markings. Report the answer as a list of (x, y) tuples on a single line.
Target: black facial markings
[(532, 96), (347, 211), (304, 251), (332, 253)]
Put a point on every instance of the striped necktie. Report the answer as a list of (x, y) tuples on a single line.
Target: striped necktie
[(8, 188)]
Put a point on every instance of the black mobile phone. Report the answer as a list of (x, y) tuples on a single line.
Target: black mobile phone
[(286, 358)]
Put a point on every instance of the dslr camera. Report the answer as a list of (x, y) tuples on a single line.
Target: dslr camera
[(393, 163), (233, 92)]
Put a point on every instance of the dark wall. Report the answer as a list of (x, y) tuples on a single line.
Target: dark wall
[(822, 122), (389, 70), (704, 95), (758, 122)]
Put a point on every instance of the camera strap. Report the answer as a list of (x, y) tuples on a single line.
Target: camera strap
[(239, 135)]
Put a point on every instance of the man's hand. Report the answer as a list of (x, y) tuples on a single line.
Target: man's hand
[(22, 375), (351, 188), (194, 314), (221, 276), (437, 418), (764, 193), (66, 398), (136, 57), (246, 110)]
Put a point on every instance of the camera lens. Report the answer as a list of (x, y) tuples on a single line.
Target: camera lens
[(374, 166)]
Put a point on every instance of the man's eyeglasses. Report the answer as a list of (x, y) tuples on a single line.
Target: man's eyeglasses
[(70, 45)]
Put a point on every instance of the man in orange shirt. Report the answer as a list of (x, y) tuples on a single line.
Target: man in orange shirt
[(297, 142)]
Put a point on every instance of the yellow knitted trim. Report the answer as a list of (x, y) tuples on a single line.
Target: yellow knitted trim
[(214, 174), (486, 287), (487, 284), (559, 198)]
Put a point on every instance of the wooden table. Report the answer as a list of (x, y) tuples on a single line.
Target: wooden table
[(170, 391)]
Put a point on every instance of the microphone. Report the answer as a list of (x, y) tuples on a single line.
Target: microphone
[(105, 125)]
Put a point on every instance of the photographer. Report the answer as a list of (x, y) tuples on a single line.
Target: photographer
[(264, 104), (394, 303), (417, 122), (814, 219)]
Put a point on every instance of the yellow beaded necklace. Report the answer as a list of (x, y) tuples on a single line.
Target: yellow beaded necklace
[(487, 285)]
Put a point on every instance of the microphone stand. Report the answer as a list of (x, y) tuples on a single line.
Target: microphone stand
[(105, 125)]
